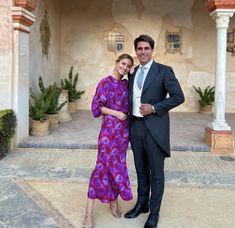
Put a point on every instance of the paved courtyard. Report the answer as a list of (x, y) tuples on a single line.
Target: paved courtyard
[(46, 187)]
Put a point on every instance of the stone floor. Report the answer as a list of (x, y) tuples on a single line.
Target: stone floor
[(44, 185), (47, 188), (187, 132)]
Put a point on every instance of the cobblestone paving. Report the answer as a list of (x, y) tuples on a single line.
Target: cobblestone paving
[(182, 168), (28, 179), (18, 210)]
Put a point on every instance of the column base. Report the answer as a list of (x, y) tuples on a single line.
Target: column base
[(219, 126), (221, 142)]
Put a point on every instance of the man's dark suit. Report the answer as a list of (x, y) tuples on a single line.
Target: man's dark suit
[(150, 135)]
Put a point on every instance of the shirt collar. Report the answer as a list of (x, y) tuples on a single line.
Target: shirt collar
[(148, 65)]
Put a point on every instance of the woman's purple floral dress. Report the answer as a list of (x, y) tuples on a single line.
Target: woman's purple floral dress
[(110, 178)]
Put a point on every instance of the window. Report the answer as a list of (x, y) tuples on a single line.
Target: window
[(173, 42)]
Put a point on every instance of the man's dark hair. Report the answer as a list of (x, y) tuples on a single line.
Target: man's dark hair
[(144, 38)]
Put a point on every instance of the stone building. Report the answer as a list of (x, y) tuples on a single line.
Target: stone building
[(191, 36)]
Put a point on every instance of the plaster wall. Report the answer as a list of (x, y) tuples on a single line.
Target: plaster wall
[(47, 67), (85, 26), (5, 54), (20, 83)]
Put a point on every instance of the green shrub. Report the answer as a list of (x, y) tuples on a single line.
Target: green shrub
[(70, 85), (39, 106), (7, 130), (207, 96), (52, 96)]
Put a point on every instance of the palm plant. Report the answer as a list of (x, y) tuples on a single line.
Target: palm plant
[(70, 85), (52, 95), (207, 96), (37, 109)]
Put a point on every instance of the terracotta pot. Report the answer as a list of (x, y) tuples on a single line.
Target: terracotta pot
[(53, 120), (40, 128), (206, 109), (72, 106)]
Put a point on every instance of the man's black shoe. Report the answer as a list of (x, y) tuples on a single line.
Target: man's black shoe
[(137, 210), (152, 221)]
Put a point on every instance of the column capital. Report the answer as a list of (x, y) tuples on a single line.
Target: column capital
[(222, 16), (212, 5), (30, 5), (22, 19)]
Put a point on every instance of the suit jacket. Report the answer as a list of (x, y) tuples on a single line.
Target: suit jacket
[(159, 82)]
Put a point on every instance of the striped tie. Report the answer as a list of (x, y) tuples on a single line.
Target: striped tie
[(140, 78)]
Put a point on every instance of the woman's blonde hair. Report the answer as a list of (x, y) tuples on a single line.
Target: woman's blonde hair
[(125, 56)]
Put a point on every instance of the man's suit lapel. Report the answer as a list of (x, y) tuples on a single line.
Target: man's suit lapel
[(150, 76)]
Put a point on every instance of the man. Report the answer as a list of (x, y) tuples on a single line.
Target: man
[(149, 104)]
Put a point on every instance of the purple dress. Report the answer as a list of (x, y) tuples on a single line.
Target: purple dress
[(110, 178)]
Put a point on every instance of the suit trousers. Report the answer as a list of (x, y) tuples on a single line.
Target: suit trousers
[(149, 163)]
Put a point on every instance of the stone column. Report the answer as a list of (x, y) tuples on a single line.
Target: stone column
[(22, 20), (222, 20), (218, 134)]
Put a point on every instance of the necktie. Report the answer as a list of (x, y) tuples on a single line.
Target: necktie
[(140, 78)]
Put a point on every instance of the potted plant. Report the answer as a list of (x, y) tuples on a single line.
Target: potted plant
[(52, 96), (207, 97), (37, 111), (70, 85)]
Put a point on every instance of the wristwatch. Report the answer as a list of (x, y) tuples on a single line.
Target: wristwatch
[(154, 111)]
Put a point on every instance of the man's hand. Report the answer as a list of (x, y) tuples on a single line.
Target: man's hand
[(146, 109), (132, 69)]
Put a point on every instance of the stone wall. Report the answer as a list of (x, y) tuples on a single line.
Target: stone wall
[(5, 54), (84, 27), (47, 67), (78, 37)]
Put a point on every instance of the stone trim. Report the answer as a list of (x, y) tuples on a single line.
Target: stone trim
[(22, 19), (21, 28), (43, 203), (94, 146), (30, 5), (212, 5)]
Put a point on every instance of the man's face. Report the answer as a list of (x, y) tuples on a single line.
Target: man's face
[(144, 52)]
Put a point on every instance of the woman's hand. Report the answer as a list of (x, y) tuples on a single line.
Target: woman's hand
[(120, 115), (112, 112)]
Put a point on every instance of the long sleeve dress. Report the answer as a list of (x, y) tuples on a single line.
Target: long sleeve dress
[(109, 178)]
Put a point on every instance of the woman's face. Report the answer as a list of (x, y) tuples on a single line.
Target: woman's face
[(123, 66)]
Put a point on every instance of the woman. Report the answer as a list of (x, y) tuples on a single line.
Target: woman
[(110, 179)]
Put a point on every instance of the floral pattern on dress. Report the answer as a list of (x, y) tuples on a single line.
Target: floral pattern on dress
[(110, 178)]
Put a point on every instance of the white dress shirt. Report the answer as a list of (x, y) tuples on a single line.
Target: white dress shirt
[(136, 91)]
